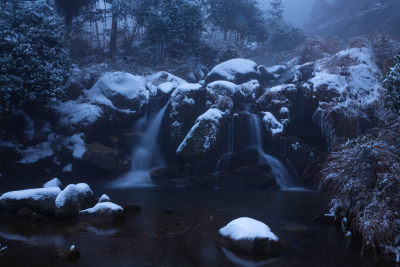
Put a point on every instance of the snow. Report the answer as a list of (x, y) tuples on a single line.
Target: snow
[(163, 81), (83, 113), (282, 87), (36, 153), (35, 194), (72, 247), (72, 191), (276, 68), (103, 208), (77, 145), (247, 228), (104, 198), (55, 182), (211, 118), (272, 124), (186, 88), (67, 168), (230, 68), (222, 88)]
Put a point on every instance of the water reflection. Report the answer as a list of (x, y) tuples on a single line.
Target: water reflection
[(244, 262)]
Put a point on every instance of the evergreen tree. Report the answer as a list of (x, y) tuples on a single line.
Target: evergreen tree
[(71, 8), (34, 58), (276, 12), (392, 84)]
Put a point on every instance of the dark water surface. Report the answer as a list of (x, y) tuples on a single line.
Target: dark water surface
[(185, 238)]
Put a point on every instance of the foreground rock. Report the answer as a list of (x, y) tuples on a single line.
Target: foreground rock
[(250, 236), (53, 183), (41, 200), (70, 254), (73, 199), (104, 210)]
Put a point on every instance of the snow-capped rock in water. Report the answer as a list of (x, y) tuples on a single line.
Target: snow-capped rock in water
[(164, 82), (202, 137), (74, 198), (237, 70), (104, 209), (67, 168), (250, 236), (41, 200), (55, 182), (104, 198)]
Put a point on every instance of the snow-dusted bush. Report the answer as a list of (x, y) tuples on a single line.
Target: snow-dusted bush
[(364, 176), (392, 83)]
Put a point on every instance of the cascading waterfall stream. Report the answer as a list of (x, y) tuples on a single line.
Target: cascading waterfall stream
[(278, 170), (146, 155)]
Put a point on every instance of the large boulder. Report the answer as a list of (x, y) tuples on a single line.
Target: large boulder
[(105, 158), (250, 236), (41, 200), (187, 102), (74, 198), (202, 138), (120, 90), (163, 82), (236, 70)]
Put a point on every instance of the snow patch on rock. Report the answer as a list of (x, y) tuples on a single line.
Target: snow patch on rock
[(247, 228), (55, 182), (229, 69), (273, 126)]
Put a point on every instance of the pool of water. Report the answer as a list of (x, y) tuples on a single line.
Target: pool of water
[(188, 237)]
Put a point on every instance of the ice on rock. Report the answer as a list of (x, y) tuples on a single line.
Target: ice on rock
[(53, 183), (247, 228)]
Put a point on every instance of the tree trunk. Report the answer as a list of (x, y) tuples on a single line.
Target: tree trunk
[(113, 37)]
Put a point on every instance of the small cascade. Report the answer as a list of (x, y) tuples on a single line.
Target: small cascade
[(229, 150), (146, 155), (278, 170)]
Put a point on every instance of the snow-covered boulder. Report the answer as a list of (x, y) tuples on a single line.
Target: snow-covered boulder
[(104, 210), (273, 126), (236, 70), (104, 198), (224, 94), (40, 200), (74, 198), (121, 91), (250, 236), (163, 82), (53, 183), (187, 102), (202, 138)]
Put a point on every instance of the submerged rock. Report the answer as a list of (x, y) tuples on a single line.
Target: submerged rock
[(41, 200), (250, 236), (70, 254), (73, 199)]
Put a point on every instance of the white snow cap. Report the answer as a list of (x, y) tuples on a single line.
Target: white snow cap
[(35, 194), (104, 198), (247, 228), (230, 68), (53, 183), (103, 208)]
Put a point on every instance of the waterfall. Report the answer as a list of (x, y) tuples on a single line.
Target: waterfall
[(145, 155), (278, 170)]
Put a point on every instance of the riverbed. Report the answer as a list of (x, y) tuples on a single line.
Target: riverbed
[(179, 227)]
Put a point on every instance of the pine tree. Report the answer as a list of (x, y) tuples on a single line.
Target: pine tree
[(392, 84), (276, 12)]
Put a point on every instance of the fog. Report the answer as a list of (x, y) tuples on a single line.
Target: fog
[(296, 11)]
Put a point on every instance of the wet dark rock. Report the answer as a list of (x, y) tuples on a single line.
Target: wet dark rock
[(258, 246), (297, 229), (105, 158), (39, 218), (70, 254), (132, 208), (25, 212), (325, 220), (169, 211)]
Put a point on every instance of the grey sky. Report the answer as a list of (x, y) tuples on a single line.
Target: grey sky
[(296, 11)]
